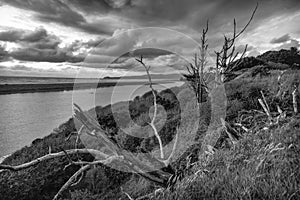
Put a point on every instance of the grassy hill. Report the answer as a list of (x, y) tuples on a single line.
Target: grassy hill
[(261, 162)]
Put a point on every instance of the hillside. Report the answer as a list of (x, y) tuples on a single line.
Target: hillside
[(256, 155)]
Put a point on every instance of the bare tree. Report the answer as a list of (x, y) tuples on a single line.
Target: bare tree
[(228, 58), (195, 70)]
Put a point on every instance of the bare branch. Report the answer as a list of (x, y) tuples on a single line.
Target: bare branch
[(155, 108), (251, 18), (51, 156), (129, 197), (86, 167), (71, 180), (227, 54), (167, 161)]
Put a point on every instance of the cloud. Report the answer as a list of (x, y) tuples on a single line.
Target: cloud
[(40, 46), (147, 53), (149, 42), (289, 44), (286, 42), (3, 53), (253, 53), (241, 48), (45, 55), (39, 38), (55, 11), (85, 46), (281, 39), (107, 18), (117, 3), (20, 69), (96, 16), (10, 36), (194, 13)]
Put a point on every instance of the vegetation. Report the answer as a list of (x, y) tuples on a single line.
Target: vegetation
[(195, 70), (252, 153), (262, 164), (290, 57)]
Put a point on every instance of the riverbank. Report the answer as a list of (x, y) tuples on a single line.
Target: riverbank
[(32, 88)]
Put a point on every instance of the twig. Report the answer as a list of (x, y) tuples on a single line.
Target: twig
[(70, 181), (129, 197), (265, 101), (265, 108), (225, 126), (295, 99)]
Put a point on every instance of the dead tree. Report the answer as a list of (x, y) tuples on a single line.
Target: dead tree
[(163, 159), (195, 70), (228, 58)]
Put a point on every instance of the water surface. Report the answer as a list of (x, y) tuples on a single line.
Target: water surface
[(25, 117)]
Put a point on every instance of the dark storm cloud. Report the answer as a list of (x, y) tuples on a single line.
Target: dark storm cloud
[(10, 36), (147, 53), (45, 55), (39, 46), (38, 38), (281, 39), (59, 12), (194, 13), (172, 13)]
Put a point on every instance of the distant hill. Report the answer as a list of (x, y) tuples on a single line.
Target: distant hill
[(153, 76), (290, 57), (246, 63), (262, 64)]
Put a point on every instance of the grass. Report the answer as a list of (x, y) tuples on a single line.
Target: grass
[(263, 165)]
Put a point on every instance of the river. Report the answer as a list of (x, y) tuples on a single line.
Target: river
[(25, 117)]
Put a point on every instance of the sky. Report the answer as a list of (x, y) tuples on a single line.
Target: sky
[(64, 38)]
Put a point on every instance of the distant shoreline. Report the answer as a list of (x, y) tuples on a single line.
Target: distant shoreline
[(57, 87)]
